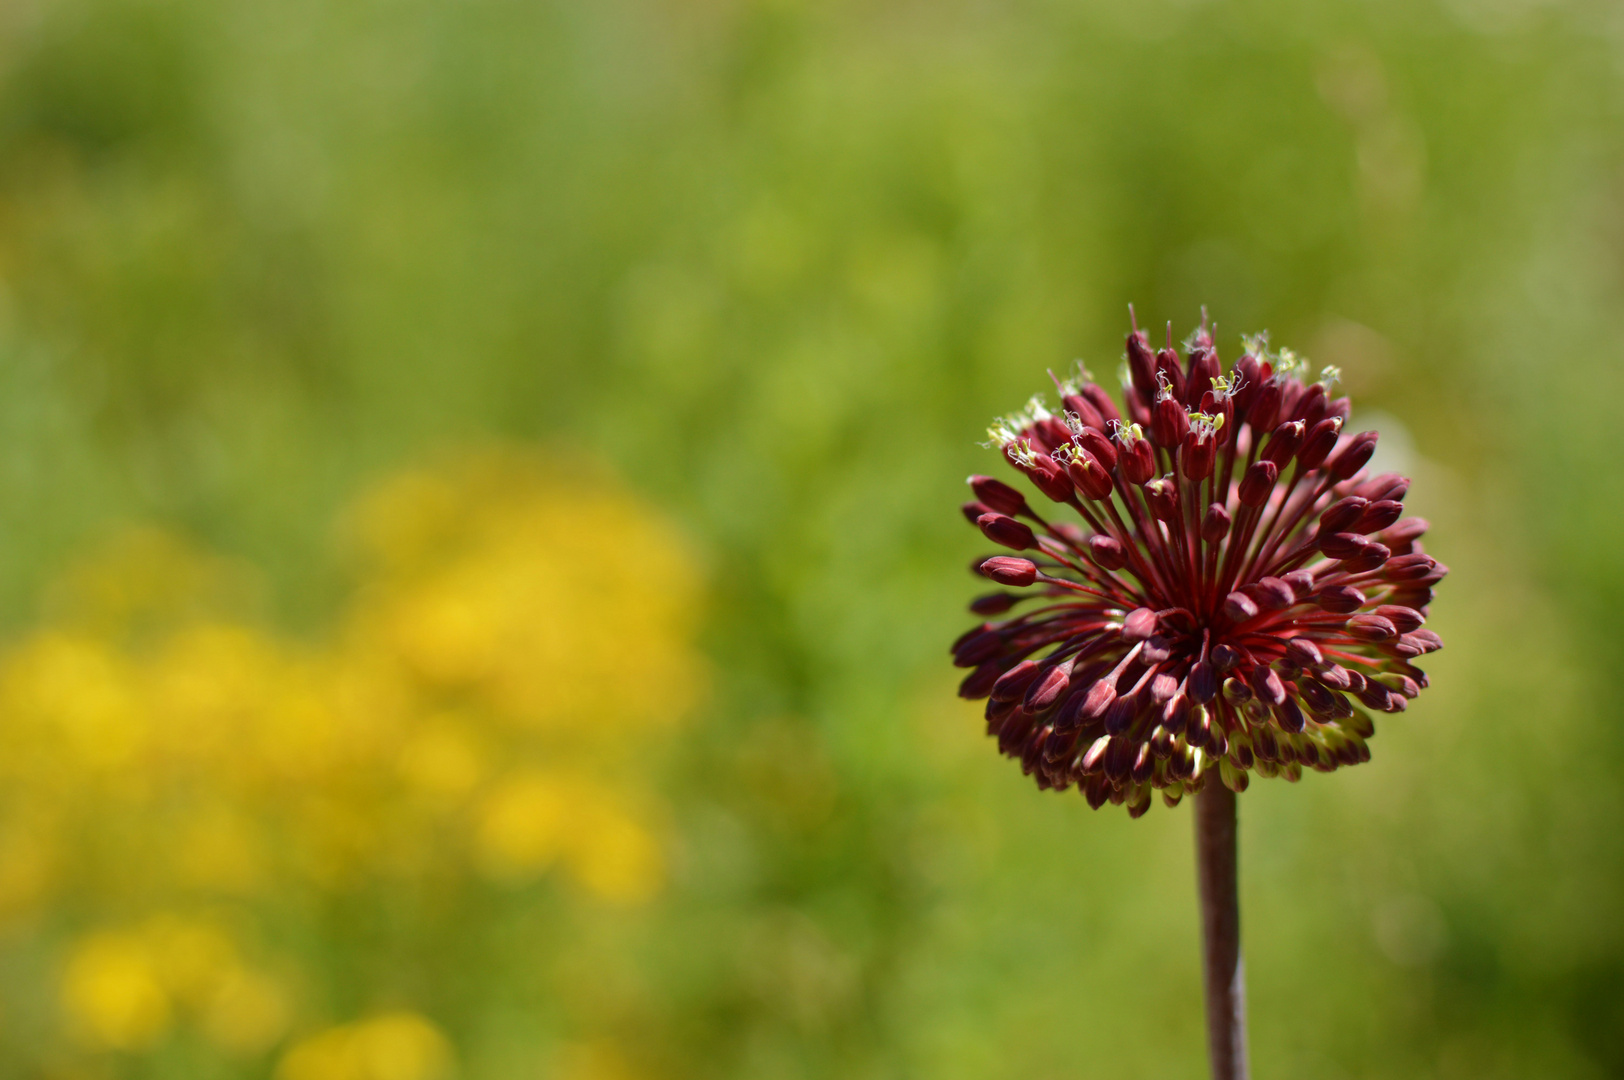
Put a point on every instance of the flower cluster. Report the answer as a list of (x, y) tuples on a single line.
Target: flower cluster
[(1241, 594)]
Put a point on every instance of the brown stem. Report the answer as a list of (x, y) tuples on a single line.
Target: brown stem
[(1221, 930)]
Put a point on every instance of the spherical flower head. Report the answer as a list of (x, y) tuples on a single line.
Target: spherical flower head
[(1238, 594)]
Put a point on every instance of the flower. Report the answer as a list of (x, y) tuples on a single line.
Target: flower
[(1244, 593)]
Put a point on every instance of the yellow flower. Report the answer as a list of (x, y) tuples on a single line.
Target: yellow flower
[(394, 1046)]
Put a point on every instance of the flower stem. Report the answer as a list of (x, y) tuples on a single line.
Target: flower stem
[(1221, 930)]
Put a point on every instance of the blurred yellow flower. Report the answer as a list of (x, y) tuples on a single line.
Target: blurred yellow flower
[(395, 1046), (466, 717)]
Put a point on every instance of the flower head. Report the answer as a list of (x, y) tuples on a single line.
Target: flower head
[(1240, 594)]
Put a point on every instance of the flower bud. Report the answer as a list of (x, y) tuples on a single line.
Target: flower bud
[(1372, 628), (1340, 515), (1386, 486), (1006, 531), (1379, 515), (1007, 570), (1267, 685), (1271, 594), (1047, 475), (1301, 582), (1047, 688), (1258, 482), (1405, 531), (973, 510), (1106, 552), (1321, 440), (994, 603), (1135, 459), (1237, 691), (999, 496), (1342, 599), (1342, 545), (1084, 410), (1102, 403), (1403, 619), (1215, 524), (1169, 421), (1142, 365), (1091, 478), (1370, 556), (1139, 624), (1203, 368), (1196, 455), (1103, 449), (1119, 717), (1353, 456), (1224, 657), (1409, 567), (1430, 641), (1288, 713), (1265, 411), (979, 683), (1285, 442), (1012, 684), (1099, 698), (1239, 607), (1163, 497), (1304, 652), (1203, 683)]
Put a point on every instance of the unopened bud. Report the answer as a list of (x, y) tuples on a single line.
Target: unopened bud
[(1102, 403), (1169, 422), (1084, 410), (1163, 497), (1012, 684), (1319, 443), (999, 496), (1237, 691), (1342, 545), (994, 603), (1007, 570), (1403, 619), (1342, 599), (1106, 552), (1259, 480), (1092, 481), (1196, 455), (1203, 683), (1379, 515), (973, 510), (1046, 690), (1371, 628), (1215, 524), (1409, 567), (1412, 528), (1272, 594), (979, 683), (1139, 624), (1104, 451), (1289, 714), (1137, 462), (1240, 607), (1285, 442), (1267, 685), (1340, 515), (1371, 556), (1224, 657), (1006, 531), (1304, 652), (1099, 698), (1386, 486), (1047, 475), (1353, 456)]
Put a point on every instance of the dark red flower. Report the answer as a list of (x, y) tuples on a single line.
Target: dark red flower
[(1243, 595)]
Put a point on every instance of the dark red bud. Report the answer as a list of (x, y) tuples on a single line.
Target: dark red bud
[(1046, 690), (1336, 675), (1379, 515), (1163, 687), (1340, 515), (1342, 545), (1247, 369), (1304, 652), (1163, 497), (1310, 405), (978, 684), (1139, 625), (1409, 567), (973, 510), (994, 603), (1102, 403), (1386, 486), (998, 496), (1169, 422), (1267, 685), (1258, 482), (1084, 410), (1265, 411), (1045, 472), (1371, 556), (1272, 594), (1007, 570), (1102, 448), (1405, 619), (1138, 463), (1342, 599), (1203, 683), (1012, 684), (1319, 443), (1091, 478), (1354, 455), (1372, 628), (1169, 374), (977, 646), (1006, 531), (1106, 552), (1202, 368), (1142, 365), (1288, 713), (1215, 524), (1285, 442), (1094, 760), (1196, 456), (1240, 607), (1341, 408), (1301, 582), (1408, 529), (1100, 697), (1430, 641), (1224, 657)]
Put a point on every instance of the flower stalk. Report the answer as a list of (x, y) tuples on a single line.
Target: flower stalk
[(1223, 970)]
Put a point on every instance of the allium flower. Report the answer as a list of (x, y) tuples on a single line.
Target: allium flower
[(1238, 594)]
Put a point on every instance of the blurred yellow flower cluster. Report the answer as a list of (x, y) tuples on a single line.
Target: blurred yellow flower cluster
[(484, 706)]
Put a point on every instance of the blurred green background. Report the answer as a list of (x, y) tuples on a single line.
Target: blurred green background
[(763, 270)]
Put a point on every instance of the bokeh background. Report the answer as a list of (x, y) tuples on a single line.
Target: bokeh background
[(479, 531)]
